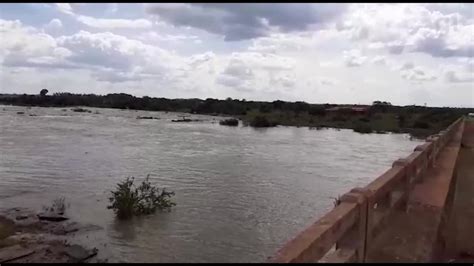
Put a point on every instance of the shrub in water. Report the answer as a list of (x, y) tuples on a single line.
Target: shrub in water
[(81, 110), (128, 200), (363, 128), (261, 121), (229, 122), (58, 206)]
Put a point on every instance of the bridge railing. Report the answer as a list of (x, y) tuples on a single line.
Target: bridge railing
[(361, 214)]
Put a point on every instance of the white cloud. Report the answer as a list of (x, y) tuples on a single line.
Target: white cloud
[(354, 58), (243, 21), (384, 50), (152, 36), (115, 52), (65, 8), (327, 81), (461, 72), (379, 60), (199, 59), (252, 71), (407, 66), (411, 28), (416, 73), (54, 25), (102, 23), (454, 77), (106, 23), (112, 8), (28, 47)]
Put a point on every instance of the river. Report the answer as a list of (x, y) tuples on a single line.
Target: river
[(240, 192)]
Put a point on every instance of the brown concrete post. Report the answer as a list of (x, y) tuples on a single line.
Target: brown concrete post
[(425, 159), (355, 238), (402, 162), (434, 152)]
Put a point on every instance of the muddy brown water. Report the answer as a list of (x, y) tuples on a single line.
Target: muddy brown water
[(240, 192)]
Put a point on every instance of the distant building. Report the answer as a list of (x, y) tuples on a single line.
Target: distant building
[(349, 109)]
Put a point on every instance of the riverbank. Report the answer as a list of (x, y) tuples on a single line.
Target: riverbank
[(380, 123), (380, 117), (26, 238)]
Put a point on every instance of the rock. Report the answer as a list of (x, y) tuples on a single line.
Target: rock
[(13, 253), (79, 254), (7, 242), (21, 217), (64, 231), (53, 217)]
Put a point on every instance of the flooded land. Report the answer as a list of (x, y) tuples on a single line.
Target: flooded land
[(241, 192)]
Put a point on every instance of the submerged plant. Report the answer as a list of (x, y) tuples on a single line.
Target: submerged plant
[(128, 200), (58, 206)]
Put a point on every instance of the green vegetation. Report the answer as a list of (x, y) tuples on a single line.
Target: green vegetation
[(81, 110), (363, 128), (128, 200), (419, 121), (229, 122), (58, 206), (147, 117), (262, 121)]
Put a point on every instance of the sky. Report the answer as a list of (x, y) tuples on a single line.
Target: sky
[(314, 52)]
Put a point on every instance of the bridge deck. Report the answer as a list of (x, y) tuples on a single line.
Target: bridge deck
[(420, 234), (461, 228), (420, 210)]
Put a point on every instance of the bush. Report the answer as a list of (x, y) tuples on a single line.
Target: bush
[(421, 124), (317, 111), (229, 122), (339, 117), (261, 121), (128, 200), (363, 128), (81, 110)]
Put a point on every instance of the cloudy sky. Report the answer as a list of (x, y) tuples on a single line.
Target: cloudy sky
[(336, 53)]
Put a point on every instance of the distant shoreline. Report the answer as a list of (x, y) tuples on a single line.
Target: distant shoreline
[(380, 117)]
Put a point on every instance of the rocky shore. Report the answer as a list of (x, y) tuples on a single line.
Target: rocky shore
[(27, 236)]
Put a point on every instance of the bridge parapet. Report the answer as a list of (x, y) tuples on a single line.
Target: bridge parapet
[(349, 229)]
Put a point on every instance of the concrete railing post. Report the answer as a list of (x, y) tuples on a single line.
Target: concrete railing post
[(407, 181), (425, 159), (434, 151), (355, 238)]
